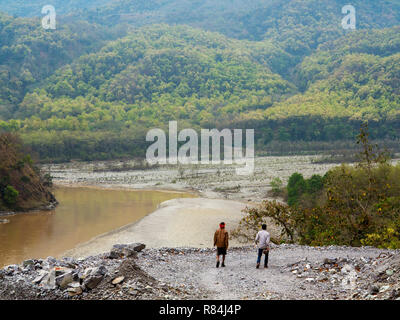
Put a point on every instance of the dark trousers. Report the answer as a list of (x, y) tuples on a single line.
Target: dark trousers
[(260, 253)]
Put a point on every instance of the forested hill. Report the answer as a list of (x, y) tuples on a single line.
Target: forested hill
[(115, 68), (29, 53), (162, 73), (356, 77)]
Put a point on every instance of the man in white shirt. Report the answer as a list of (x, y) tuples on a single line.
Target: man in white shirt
[(262, 240)]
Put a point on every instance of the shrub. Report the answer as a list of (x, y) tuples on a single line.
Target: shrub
[(302, 191), (314, 184), (276, 185), (10, 195)]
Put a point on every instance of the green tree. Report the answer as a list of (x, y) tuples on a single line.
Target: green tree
[(295, 188)]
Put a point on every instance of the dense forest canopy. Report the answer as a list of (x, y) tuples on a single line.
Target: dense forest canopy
[(29, 53), (115, 68)]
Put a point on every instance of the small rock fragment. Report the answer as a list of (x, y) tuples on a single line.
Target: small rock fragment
[(118, 280)]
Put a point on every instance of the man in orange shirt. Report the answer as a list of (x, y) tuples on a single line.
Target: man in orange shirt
[(221, 240)]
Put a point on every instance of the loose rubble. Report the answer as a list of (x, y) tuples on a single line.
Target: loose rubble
[(355, 278), (114, 275), (295, 272), (132, 272)]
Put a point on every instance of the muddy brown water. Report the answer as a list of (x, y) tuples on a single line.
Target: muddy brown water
[(83, 213)]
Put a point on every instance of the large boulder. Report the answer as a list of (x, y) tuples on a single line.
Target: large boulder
[(120, 251), (94, 277)]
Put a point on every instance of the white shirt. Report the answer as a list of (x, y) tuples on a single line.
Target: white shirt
[(263, 238)]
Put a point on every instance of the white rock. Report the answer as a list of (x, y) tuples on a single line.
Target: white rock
[(384, 288)]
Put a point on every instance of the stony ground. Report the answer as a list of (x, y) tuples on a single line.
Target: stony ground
[(128, 272), (295, 272)]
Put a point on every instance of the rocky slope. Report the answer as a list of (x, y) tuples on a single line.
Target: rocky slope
[(114, 275), (23, 187), (129, 272)]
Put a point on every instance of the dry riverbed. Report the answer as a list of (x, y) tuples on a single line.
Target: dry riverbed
[(209, 181)]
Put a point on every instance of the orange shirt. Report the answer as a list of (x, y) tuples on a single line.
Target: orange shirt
[(221, 238)]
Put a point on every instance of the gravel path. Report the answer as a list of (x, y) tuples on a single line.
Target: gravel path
[(194, 270)]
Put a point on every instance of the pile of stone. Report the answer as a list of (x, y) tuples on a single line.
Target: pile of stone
[(333, 270), (113, 275), (69, 275), (382, 281), (357, 278)]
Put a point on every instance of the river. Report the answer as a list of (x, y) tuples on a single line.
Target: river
[(83, 213)]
